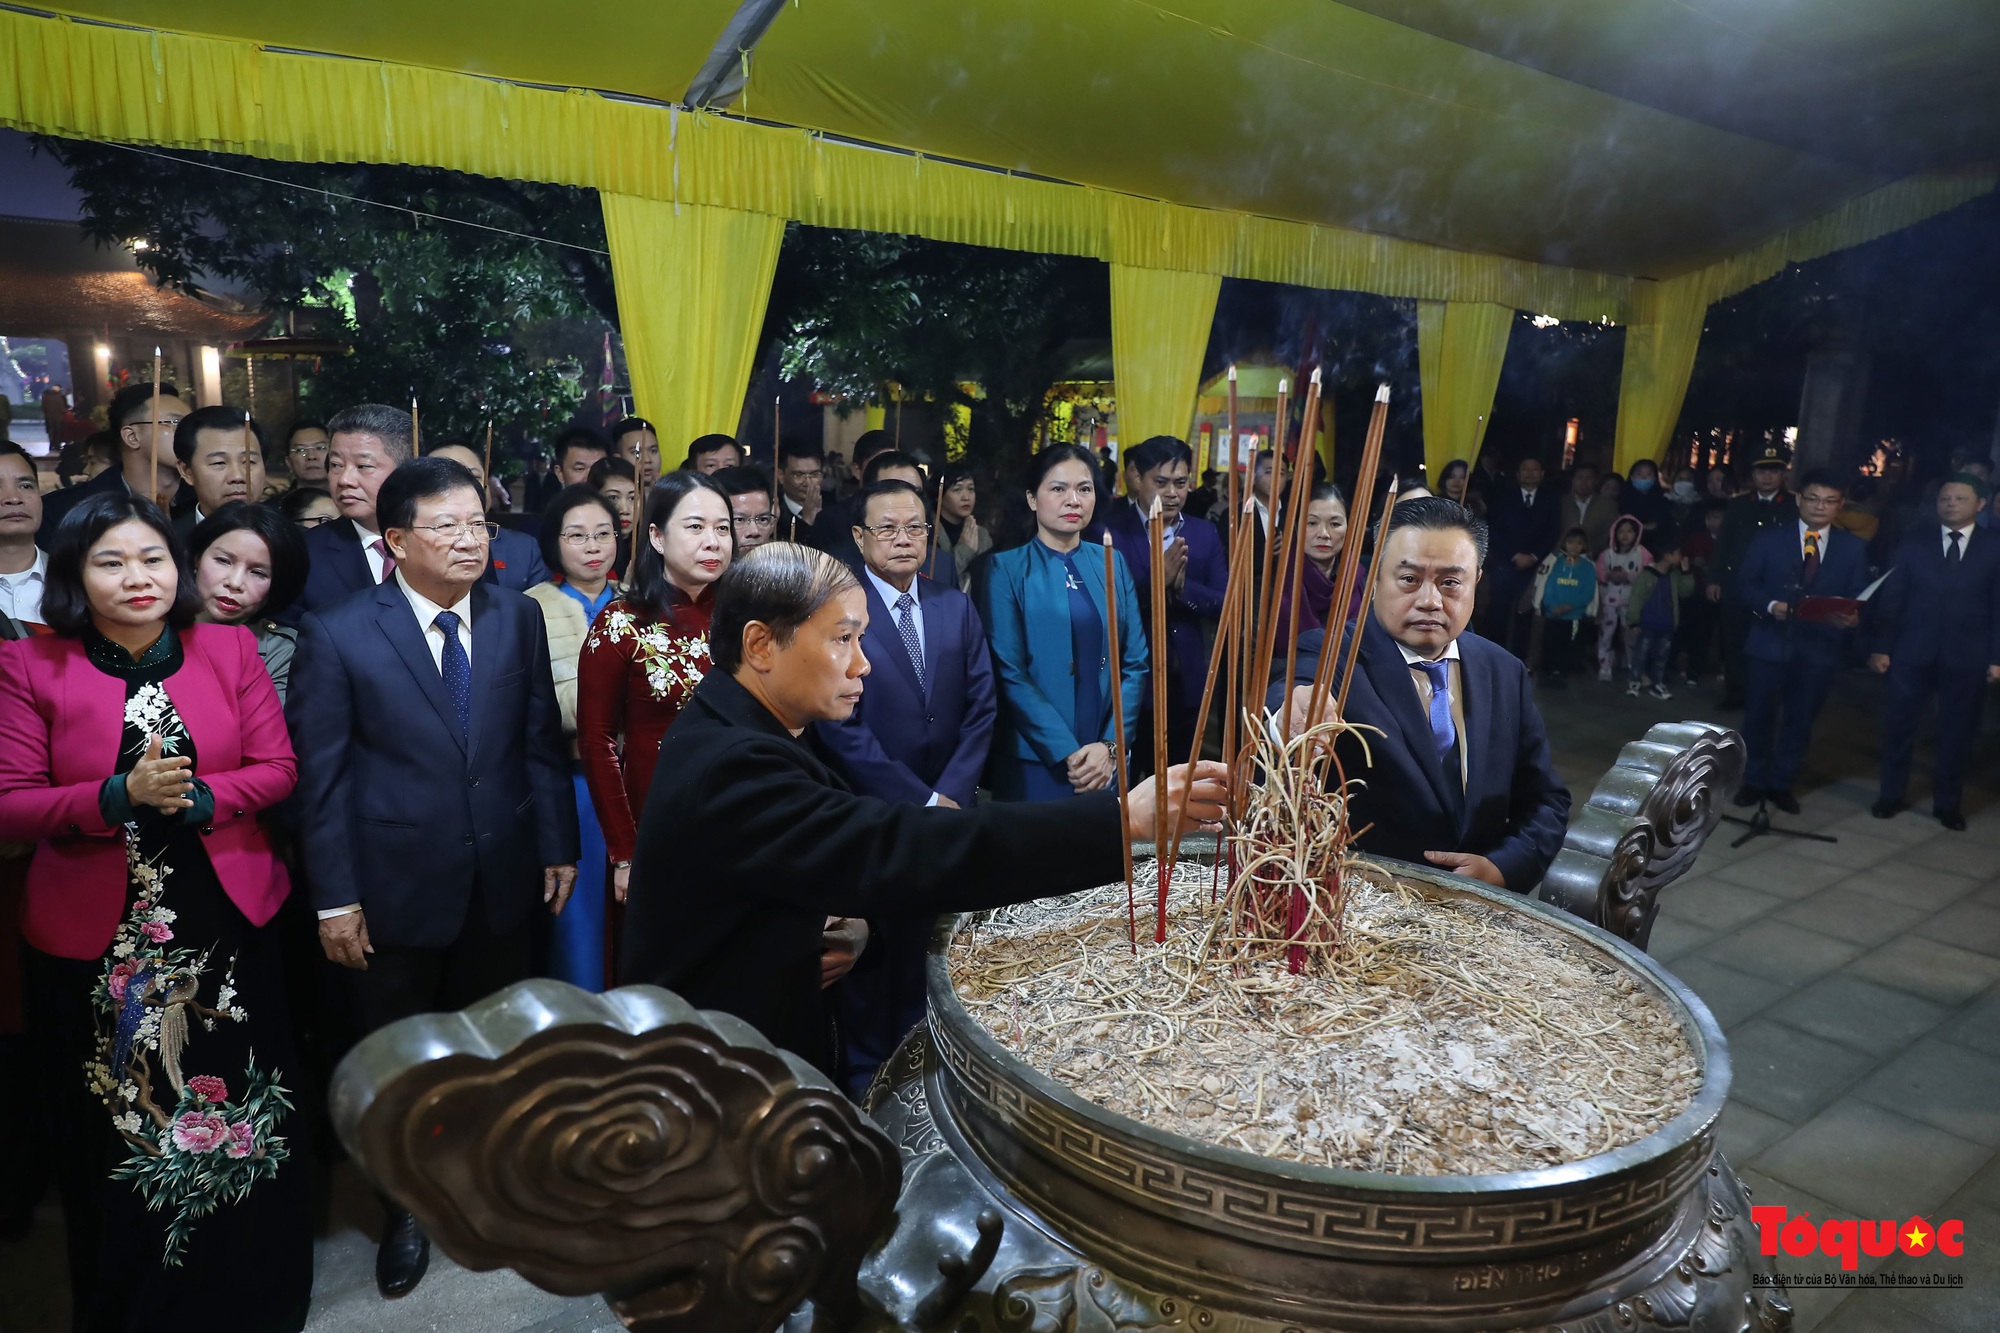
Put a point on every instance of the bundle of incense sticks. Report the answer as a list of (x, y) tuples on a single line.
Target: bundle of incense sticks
[(1324, 685), (1156, 535), (1239, 521), (1118, 729), (154, 425)]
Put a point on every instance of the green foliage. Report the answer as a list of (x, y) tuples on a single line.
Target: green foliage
[(432, 310), (858, 311)]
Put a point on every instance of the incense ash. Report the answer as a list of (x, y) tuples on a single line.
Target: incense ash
[(1444, 1036)]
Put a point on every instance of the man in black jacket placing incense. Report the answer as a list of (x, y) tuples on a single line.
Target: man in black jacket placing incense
[(749, 840)]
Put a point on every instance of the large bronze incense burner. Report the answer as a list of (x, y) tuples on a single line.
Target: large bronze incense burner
[(702, 1180)]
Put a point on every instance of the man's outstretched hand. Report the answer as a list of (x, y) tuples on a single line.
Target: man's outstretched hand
[(1200, 791), (1470, 865)]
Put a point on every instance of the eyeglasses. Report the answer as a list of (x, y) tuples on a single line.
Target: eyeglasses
[(307, 450), (170, 423), (451, 532), (574, 538), (314, 520), (887, 531), (759, 521)]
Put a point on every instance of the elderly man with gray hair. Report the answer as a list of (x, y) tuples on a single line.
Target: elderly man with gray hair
[(749, 840)]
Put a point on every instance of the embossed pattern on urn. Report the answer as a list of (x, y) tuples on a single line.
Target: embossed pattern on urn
[(1026, 1209)]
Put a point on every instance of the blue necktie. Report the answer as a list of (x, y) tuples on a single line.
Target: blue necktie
[(457, 672), (1443, 733), (906, 624)]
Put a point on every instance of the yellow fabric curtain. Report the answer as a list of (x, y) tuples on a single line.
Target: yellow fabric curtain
[(692, 286), (1159, 332), (1460, 347), (1660, 344)]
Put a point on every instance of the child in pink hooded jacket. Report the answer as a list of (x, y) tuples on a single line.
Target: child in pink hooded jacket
[(1617, 566)]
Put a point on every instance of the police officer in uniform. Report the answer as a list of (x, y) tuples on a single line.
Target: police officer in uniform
[(1765, 505)]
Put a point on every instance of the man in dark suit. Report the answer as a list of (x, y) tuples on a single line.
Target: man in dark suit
[(219, 452), (1526, 522), (1789, 662), (1197, 574), (1765, 505), (434, 800), (146, 455), (1461, 776), (515, 558), (750, 840), (1937, 631), (919, 736), (801, 471), (366, 444)]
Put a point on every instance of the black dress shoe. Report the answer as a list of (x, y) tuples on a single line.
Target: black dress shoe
[(402, 1257), (1747, 796), (1886, 809), (1952, 820), (1784, 800)]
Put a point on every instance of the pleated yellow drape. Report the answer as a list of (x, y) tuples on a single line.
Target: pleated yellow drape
[(1460, 348), (692, 286), (1159, 332), (1660, 344)]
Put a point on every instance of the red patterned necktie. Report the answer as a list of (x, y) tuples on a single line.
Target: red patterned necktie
[(381, 548), (1812, 558)]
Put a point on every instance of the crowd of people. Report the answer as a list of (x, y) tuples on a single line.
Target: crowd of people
[(282, 765)]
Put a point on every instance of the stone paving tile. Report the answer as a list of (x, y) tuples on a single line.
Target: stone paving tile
[(1730, 995), (1869, 1161), (1860, 1014), (1900, 881), (1846, 914), (1788, 954), (1944, 1085), (1854, 850), (1950, 854), (1909, 827), (1789, 1073), (1746, 1131), (1704, 900), (1968, 925), (1876, 1312), (1671, 939), (1930, 968), (1976, 1025), (1778, 870)]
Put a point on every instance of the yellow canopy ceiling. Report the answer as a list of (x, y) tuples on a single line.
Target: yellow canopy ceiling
[(1631, 137)]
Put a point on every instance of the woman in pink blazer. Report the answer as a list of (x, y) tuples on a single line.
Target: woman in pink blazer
[(137, 749)]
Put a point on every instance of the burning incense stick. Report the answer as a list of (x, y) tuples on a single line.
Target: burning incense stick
[(937, 529), (1225, 638), (154, 425), (1118, 728), (777, 406), (416, 430), (487, 498), (1302, 484), (1156, 535), (1361, 612), (1350, 554), (1255, 665), (1293, 540)]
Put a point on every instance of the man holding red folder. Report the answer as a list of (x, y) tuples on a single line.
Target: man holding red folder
[(1797, 582)]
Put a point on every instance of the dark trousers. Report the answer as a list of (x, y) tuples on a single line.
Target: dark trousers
[(1733, 622), (1696, 637), (878, 1002), (1959, 696), (1780, 705), (1563, 644), (401, 981), (1504, 624)]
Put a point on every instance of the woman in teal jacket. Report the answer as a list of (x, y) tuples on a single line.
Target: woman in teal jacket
[(1045, 619)]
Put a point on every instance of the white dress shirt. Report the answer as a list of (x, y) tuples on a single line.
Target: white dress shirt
[(1456, 691), (1964, 540), (427, 612), (21, 593), (887, 592), (368, 551)]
